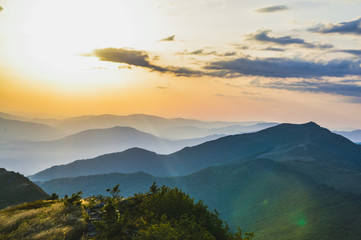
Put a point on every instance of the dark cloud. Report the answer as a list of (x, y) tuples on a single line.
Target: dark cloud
[(352, 51), (202, 52), (267, 67), (342, 89), (274, 49), (128, 56), (285, 68), (351, 27), (271, 9), (263, 36), (227, 54), (140, 59), (351, 81), (168, 39)]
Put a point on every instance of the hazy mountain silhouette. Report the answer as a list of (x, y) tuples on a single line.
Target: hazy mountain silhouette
[(11, 116), (194, 132), (86, 144), (261, 195), (21, 130), (354, 136), (146, 123), (15, 189), (308, 148)]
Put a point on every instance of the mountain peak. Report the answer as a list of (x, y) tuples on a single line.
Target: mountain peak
[(296, 127), (311, 123)]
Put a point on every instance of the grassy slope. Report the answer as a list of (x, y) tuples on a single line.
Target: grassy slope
[(42, 220)]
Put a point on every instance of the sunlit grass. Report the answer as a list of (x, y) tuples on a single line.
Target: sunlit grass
[(42, 220)]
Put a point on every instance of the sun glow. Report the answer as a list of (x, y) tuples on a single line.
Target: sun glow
[(48, 45)]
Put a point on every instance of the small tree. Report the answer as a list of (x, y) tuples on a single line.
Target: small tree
[(53, 196), (114, 192), (74, 199)]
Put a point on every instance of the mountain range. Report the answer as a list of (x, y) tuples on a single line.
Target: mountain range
[(86, 144), (289, 181), (308, 148), (354, 136), (11, 130), (54, 142)]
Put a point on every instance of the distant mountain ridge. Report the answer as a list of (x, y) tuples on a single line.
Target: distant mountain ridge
[(192, 132), (305, 147), (354, 136), (22, 130), (91, 143), (171, 128), (48, 142), (16, 189)]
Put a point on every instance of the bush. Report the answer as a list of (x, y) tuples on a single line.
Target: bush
[(162, 213)]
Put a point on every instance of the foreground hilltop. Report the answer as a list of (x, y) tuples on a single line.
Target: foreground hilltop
[(15, 189)]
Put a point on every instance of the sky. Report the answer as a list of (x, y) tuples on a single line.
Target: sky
[(233, 60)]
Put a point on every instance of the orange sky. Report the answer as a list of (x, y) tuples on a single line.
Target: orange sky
[(59, 60)]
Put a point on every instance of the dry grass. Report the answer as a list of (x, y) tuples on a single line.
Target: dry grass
[(42, 220)]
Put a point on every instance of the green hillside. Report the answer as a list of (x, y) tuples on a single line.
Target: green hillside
[(262, 196), (15, 189)]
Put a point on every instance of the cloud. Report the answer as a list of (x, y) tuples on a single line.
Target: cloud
[(168, 39), (263, 36), (246, 66), (356, 100), (1, 8), (272, 9), (274, 49), (224, 95), (351, 27), (139, 59), (128, 56), (202, 52), (355, 52), (342, 89), (163, 87), (287, 68)]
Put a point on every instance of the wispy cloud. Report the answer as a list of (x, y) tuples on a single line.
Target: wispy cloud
[(272, 9), (163, 87), (168, 39), (351, 27), (356, 52), (202, 52), (341, 89), (274, 49), (263, 36), (285, 68), (224, 95)]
